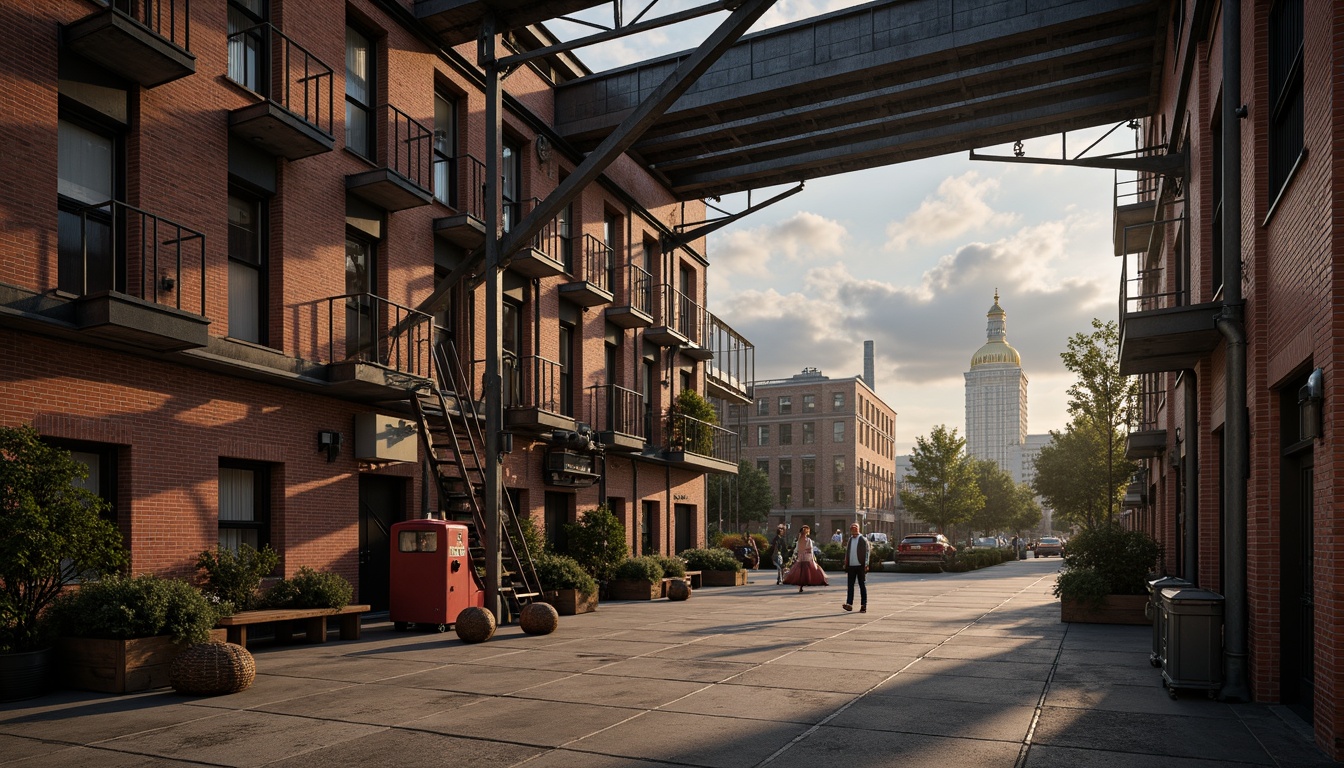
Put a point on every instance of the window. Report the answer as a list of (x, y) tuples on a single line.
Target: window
[(101, 462), (611, 227), (247, 267), (785, 404), (87, 160), (809, 481), (511, 183), (564, 231), (762, 435), (445, 144), (838, 468), (360, 91), (809, 403), (764, 466), (809, 433), (650, 375), (359, 290), (762, 406), (785, 482), (1285, 92), (838, 432), (786, 434), (247, 45), (838, 401), (511, 326), (837, 493), (567, 337), (244, 504)]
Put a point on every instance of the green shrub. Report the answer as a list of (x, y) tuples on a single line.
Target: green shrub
[(644, 568), (597, 542), (710, 560), (310, 589), (878, 554), (832, 551), (122, 607), (693, 436), (1082, 585), (234, 577), (1124, 559), (526, 533), (563, 572), (673, 567)]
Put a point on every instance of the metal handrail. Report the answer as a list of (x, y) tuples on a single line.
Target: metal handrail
[(617, 409), (596, 261), (409, 148), (291, 76), (139, 248), (680, 312), (529, 381), (734, 360), (463, 178), (639, 289), (173, 25), (410, 350), (550, 240), (692, 435)]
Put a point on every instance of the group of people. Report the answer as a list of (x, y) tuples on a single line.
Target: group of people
[(802, 569)]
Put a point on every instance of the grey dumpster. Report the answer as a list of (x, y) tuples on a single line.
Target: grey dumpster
[(1192, 640), (1154, 612)]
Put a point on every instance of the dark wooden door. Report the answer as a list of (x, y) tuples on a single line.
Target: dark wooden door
[(382, 502)]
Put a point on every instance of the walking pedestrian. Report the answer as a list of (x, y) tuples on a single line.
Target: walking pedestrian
[(777, 547), (805, 571), (837, 538), (751, 553), (856, 569)]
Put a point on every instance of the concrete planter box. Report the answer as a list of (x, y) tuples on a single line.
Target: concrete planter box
[(119, 666), (723, 578), (1115, 609), (621, 589), (570, 602)]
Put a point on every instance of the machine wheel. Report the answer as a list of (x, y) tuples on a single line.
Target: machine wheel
[(401, 626), (441, 628)]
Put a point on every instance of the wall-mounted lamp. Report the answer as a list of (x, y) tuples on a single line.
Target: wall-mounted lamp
[(330, 442), (1309, 399)]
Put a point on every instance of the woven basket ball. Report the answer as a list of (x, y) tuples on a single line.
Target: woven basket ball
[(212, 669), (678, 590), (475, 625), (539, 619)]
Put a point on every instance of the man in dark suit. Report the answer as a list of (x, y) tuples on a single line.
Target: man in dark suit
[(856, 567)]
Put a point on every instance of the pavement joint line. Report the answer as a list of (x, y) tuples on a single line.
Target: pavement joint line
[(1025, 750)]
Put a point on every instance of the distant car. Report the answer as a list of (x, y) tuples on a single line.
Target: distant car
[(1049, 545), (877, 538), (925, 548), (988, 542)]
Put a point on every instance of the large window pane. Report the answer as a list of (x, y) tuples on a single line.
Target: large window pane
[(359, 90)]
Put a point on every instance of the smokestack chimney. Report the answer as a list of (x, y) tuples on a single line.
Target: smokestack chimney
[(868, 365)]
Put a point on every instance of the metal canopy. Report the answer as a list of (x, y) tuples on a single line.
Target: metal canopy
[(882, 83)]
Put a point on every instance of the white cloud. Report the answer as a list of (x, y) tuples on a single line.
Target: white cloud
[(802, 237), (961, 205)]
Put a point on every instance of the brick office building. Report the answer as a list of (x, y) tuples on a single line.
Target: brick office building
[(1229, 313), (212, 279), (828, 447)]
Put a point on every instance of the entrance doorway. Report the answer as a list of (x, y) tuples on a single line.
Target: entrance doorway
[(1297, 552), (382, 502), (684, 514)]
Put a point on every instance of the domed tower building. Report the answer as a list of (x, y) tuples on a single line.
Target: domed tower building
[(996, 398)]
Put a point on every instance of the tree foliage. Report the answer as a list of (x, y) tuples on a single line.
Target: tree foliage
[(942, 482), (597, 542), (1000, 493), (744, 498)]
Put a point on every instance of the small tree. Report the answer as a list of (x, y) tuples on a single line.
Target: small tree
[(1102, 401), (597, 542), (999, 490), (942, 487), (747, 493), (51, 533), (695, 434)]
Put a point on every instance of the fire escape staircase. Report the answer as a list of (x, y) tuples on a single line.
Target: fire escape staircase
[(453, 443)]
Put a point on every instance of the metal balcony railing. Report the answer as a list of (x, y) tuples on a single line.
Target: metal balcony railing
[(552, 240), (1152, 398), (530, 382), (459, 183), (408, 148), (125, 248), (597, 257), (680, 312), (692, 435), (265, 60), (360, 328), (638, 289), (169, 19), (734, 360), (616, 409)]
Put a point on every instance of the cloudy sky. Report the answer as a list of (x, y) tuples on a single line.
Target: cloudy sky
[(910, 256)]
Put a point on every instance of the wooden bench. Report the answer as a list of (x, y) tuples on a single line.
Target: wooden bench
[(315, 623), (693, 577)]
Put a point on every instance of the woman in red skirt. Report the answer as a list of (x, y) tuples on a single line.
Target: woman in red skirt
[(805, 571)]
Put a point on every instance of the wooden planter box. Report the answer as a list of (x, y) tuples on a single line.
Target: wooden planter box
[(723, 578), (118, 666), (621, 589), (569, 602), (1116, 609)]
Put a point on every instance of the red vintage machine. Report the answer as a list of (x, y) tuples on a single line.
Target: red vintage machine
[(432, 578)]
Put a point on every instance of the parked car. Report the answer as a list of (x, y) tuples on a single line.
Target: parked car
[(1049, 545), (988, 542), (925, 548), (877, 538)]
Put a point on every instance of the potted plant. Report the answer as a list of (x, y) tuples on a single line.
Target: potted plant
[(52, 533), (120, 634), (639, 578), (597, 542), (565, 585), (235, 576), (718, 567), (687, 420), (310, 589), (674, 568), (1105, 574)]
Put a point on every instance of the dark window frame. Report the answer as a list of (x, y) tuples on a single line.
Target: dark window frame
[(261, 205), (261, 500)]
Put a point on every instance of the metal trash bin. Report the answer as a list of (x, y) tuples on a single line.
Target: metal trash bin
[(1192, 640), (1154, 612)]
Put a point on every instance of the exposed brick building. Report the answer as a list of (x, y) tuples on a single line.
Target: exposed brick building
[(217, 244)]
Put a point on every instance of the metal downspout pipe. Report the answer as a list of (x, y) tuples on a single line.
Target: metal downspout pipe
[(1190, 510), (1231, 323)]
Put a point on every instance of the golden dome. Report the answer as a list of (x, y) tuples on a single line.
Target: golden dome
[(996, 349)]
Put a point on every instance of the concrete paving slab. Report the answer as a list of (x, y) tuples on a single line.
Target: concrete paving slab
[(783, 675), (992, 653), (999, 670), (883, 749), (936, 717), (72, 719), (908, 687), (782, 704), (569, 758), (265, 690), (371, 705), (1131, 658), (724, 653), (674, 669), (1066, 757), (240, 738), (822, 662), (528, 722), (1175, 736), (474, 678), (91, 756), (871, 646), (413, 749), (622, 648), (1115, 697), (553, 660), (1134, 674), (639, 693), (693, 739)]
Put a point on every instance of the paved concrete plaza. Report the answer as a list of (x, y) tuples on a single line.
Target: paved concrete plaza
[(944, 670)]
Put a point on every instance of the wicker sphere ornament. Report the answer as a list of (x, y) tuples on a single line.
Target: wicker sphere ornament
[(475, 625), (539, 619), (678, 590), (212, 669)]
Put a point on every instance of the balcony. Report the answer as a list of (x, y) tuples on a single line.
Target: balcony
[(679, 319), (459, 183), (534, 395), (620, 417), (374, 347), (545, 255), (293, 118), (1148, 438), (403, 178), (731, 369), (589, 290), (139, 279), (633, 305), (145, 41), (1159, 330), (699, 445), (459, 21), (697, 343)]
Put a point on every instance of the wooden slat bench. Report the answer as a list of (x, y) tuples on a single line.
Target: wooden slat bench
[(315, 623), (693, 577)]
